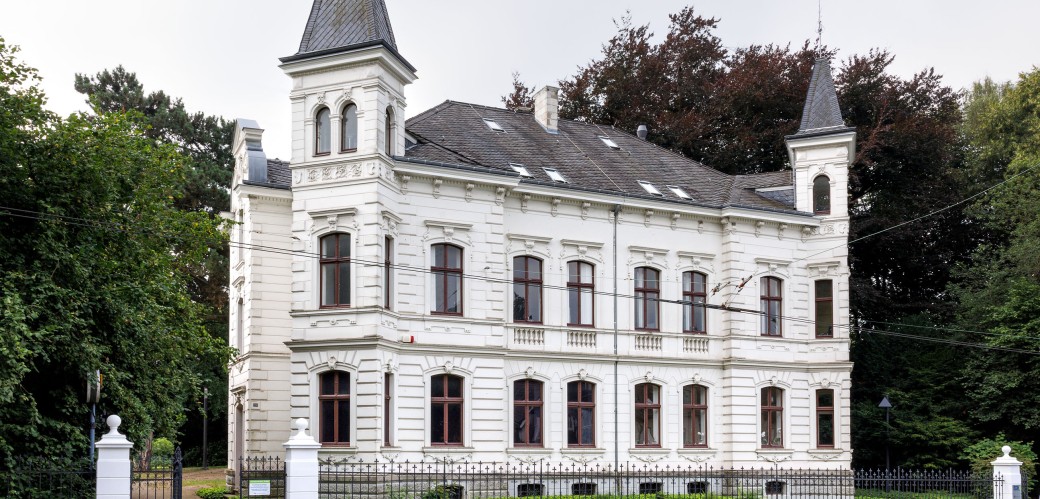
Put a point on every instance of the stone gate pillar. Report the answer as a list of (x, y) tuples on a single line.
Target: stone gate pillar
[(113, 464), (1008, 469), (301, 464)]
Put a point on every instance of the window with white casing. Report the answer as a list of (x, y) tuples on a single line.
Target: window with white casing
[(649, 188), (554, 174)]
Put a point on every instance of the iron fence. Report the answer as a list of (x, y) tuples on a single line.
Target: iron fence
[(36, 477), (158, 478), (438, 480), (261, 477)]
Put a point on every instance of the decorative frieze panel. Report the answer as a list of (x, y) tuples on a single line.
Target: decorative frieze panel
[(331, 173)]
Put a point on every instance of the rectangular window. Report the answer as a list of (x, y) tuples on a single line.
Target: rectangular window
[(678, 191), (335, 270), (771, 299), (447, 279), (388, 272), (334, 407), (648, 415), (695, 295), (695, 416), (580, 292), (772, 417), (527, 289), (527, 413), (388, 407), (825, 418), (581, 414), (240, 326), (648, 286), (824, 309), (554, 175), (520, 169), (649, 188), (446, 404)]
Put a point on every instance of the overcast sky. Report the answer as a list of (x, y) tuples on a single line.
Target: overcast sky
[(220, 56)]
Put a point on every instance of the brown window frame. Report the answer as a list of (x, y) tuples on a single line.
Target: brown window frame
[(343, 128), (690, 297), (527, 405), (647, 409), (338, 437), (317, 132), (821, 304), (767, 416), (388, 399), (389, 131), (766, 298), (817, 209), (388, 264), (336, 260), (578, 405), (527, 283), (643, 296), (823, 411), (694, 408), (446, 402), (447, 271), (578, 286)]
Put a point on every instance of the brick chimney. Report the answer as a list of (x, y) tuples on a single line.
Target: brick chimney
[(547, 107)]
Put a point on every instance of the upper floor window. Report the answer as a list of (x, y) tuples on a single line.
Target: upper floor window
[(322, 132), (527, 413), (334, 407), (447, 279), (821, 195), (695, 416), (825, 418), (348, 126), (580, 292), (581, 414), (388, 272), (527, 289), (446, 405), (772, 417), (648, 415), (648, 288), (772, 298), (694, 297), (824, 308), (335, 270), (389, 132)]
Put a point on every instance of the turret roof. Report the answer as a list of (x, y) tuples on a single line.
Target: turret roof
[(341, 25), (821, 113)]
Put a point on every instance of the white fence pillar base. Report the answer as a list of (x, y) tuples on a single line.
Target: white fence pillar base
[(1008, 469), (301, 464), (113, 464)]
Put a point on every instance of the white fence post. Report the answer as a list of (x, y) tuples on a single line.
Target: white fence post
[(301, 464), (1009, 469), (113, 464)]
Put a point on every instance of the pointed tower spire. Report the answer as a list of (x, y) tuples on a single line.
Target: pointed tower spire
[(344, 25), (821, 113)]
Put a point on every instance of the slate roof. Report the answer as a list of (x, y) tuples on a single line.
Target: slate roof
[(278, 175), (342, 25), (454, 134), (821, 114)]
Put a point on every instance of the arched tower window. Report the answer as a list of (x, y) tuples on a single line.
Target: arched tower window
[(348, 129), (389, 131), (821, 195), (322, 132)]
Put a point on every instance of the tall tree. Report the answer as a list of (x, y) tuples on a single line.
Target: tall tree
[(206, 142), (93, 253)]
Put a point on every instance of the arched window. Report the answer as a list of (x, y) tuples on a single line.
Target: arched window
[(695, 416), (694, 288), (772, 417), (581, 414), (335, 270), (322, 132), (821, 195), (648, 288), (527, 289), (580, 289), (348, 124), (771, 300), (446, 405), (648, 415), (527, 413), (447, 279), (389, 131), (334, 407)]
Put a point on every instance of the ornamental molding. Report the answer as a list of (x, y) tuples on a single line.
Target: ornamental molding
[(777, 456), (823, 268), (649, 254)]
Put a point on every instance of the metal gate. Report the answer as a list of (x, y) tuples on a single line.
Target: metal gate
[(158, 478)]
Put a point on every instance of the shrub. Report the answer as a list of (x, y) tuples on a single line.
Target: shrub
[(162, 447), (211, 493), (983, 452)]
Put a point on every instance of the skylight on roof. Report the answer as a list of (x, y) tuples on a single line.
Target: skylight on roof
[(679, 192), (609, 142), (521, 169), (555, 175), (648, 187), (494, 126)]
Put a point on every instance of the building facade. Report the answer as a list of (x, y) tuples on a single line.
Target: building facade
[(482, 284)]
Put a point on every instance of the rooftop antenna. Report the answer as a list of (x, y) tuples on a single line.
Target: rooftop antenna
[(819, 26)]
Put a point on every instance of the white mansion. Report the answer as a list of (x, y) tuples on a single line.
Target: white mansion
[(482, 284)]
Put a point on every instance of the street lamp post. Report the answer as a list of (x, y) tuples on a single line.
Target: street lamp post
[(205, 425), (886, 405)]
